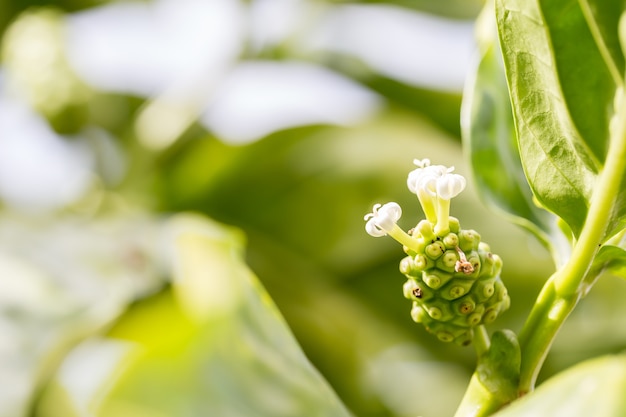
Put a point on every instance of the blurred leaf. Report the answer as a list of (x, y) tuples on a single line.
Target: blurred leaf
[(592, 388), (62, 280), (46, 81), (310, 187), (175, 356), (562, 93), (441, 107), (205, 254), (489, 135), (359, 334), (456, 9), (11, 8), (300, 195), (611, 259)]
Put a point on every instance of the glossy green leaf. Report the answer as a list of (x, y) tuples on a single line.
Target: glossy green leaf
[(489, 136), (562, 92), (587, 84), (593, 388), (220, 348)]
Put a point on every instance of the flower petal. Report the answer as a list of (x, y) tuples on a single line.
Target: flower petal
[(450, 185), (382, 219), (373, 230)]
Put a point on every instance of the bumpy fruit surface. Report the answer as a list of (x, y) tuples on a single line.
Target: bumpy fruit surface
[(454, 282)]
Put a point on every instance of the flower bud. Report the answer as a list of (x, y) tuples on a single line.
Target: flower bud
[(434, 250), (451, 241), (454, 224), (448, 261), (468, 240), (425, 229)]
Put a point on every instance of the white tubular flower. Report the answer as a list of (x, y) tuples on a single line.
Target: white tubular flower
[(416, 174), (416, 178), (423, 182), (450, 185), (382, 221), (435, 186)]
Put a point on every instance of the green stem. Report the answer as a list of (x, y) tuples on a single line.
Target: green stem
[(443, 217), (539, 332), (404, 238), (481, 340), (564, 289), (478, 401), (427, 201)]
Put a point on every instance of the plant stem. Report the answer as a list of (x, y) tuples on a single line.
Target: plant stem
[(539, 331), (481, 340), (477, 401), (563, 290)]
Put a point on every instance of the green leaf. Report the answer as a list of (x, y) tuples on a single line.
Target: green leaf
[(489, 135), (587, 84), (592, 388), (496, 378), (562, 92), (603, 19), (499, 368), (213, 345), (611, 259)]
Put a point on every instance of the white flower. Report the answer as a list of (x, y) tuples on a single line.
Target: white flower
[(424, 179), (450, 185), (435, 185), (417, 174), (382, 219), (418, 180)]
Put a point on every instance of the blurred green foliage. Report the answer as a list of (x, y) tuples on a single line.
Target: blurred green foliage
[(600, 394), (298, 195)]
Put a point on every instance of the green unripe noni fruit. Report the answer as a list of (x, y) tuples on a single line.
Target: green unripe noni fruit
[(454, 284)]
